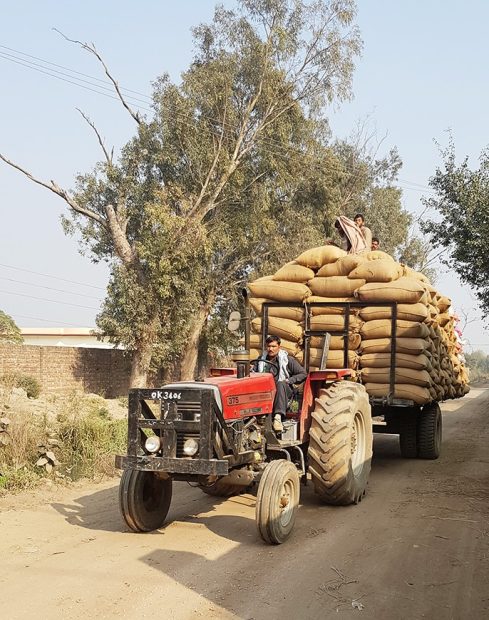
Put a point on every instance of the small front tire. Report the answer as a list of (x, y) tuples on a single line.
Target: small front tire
[(144, 499), (277, 500), (430, 432)]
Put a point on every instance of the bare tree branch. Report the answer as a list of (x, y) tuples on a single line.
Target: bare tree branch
[(99, 138), (62, 193), (91, 48)]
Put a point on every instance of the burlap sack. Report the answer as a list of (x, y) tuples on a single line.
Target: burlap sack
[(442, 319), (335, 359), (412, 346), (403, 375), (444, 303), (337, 343), (295, 314), (331, 269), (420, 395), (256, 304), (376, 255), (416, 275), (382, 270), (335, 286), (255, 353), (330, 309), (405, 312), (403, 360), (317, 257), (404, 290), (293, 272), (279, 291), (290, 346), (382, 328), (284, 328), (334, 323)]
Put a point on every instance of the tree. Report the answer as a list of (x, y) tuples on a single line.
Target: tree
[(9, 332), (461, 199), (187, 206)]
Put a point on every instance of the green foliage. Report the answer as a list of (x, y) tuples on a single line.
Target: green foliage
[(9, 332), (478, 364), (462, 228), (30, 384)]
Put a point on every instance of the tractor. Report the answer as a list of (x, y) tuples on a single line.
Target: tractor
[(217, 433)]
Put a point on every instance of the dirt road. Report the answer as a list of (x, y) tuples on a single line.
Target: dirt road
[(416, 547)]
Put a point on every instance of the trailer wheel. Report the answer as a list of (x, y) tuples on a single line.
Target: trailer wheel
[(223, 489), (340, 448), (429, 431), (144, 499), (408, 435), (277, 500)]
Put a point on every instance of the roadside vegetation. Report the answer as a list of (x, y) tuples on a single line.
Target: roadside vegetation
[(56, 439)]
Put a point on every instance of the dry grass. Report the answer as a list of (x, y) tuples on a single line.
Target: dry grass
[(78, 430)]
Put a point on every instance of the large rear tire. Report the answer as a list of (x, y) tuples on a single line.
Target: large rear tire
[(277, 500), (430, 432), (340, 448), (144, 499)]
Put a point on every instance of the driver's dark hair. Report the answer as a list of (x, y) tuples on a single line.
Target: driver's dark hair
[(272, 338), (359, 215)]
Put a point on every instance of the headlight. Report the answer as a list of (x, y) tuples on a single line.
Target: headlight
[(190, 447), (152, 444)]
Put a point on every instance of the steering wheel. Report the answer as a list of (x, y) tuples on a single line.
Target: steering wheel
[(273, 366)]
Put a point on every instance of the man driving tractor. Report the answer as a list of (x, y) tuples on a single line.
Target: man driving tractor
[(289, 372)]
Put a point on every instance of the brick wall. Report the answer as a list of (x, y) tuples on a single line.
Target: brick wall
[(63, 369)]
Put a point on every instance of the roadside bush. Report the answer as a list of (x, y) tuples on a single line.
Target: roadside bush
[(28, 383)]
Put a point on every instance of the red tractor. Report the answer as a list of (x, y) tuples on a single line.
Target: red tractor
[(218, 434)]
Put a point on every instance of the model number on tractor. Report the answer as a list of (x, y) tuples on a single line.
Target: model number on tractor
[(159, 395)]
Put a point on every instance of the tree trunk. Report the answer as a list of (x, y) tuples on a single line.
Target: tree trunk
[(189, 357), (141, 359)]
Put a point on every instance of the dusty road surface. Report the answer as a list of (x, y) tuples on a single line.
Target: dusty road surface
[(416, 547)]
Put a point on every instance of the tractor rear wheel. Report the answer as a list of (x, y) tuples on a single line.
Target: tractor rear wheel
[(429, 432), (144, 499), (277, 500), (408, 434), (340, 447)]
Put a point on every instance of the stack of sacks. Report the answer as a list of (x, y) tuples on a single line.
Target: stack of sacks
[(428, 357)]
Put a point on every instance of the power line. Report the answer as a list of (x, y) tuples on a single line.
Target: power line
[(47, 62), (36, 318), (45, 275), (53, 301), (49, 288)]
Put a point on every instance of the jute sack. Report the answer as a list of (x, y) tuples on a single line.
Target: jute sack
[(376, 255), (330, 309), (335, 286), (337, 342), (403, 360), (334, 323), (420, 395), (382, 270), (444, 303), (295, 314), (403, 375), (404, 290), (317, 257), (256, 304), (382, 328), (442, 319), (412, 346), (335, 359), (293, 272), (342, 266), (279, 291), (406, 312), (416, 275), (285, 328)]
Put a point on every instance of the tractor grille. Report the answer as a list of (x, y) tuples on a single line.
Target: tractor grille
[(189, 410), (181, 439)]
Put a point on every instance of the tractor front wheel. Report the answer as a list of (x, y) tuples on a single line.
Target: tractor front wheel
[(144, 499), (340, 447), (429, 431), (277, 500)]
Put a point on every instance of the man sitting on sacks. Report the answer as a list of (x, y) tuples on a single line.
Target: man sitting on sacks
[(352, 239), (289, 372)]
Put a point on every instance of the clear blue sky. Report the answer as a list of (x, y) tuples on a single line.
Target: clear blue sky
[(422, 72)]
